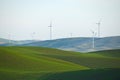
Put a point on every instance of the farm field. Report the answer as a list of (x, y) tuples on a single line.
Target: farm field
[(38, 63)]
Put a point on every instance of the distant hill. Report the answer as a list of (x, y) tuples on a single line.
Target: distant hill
[(7, 42), (3, 41), (80, 44)]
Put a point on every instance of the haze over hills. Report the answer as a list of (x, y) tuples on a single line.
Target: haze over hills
[(80, 44), (7, 42)]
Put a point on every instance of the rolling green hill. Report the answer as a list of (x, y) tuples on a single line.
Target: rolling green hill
[(37, 63), (93, 74), (21, 58), (109, 53), (91, 60)]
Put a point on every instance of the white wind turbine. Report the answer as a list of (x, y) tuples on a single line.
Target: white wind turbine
[(9, 39), (93, 39), (50, 26)]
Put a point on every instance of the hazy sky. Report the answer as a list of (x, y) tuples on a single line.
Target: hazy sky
[(22, 18)]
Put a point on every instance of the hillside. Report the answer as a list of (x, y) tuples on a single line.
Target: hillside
[(4, 42), (7, 42), (110, 53), (21, 58), (95, 74), (80, 44), (37, 63)]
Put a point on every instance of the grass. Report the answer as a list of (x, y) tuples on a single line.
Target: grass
[(91, 60), (109, 53), (93, 74), (26, 59), (38, 63)]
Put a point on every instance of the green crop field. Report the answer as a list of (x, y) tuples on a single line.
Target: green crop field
[(38, 63)]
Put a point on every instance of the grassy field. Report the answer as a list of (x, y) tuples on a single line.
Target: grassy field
[(37, 63)]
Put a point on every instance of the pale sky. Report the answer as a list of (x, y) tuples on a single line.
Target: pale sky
[(20, 18)]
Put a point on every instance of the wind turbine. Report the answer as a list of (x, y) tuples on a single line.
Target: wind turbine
[(99, 23), (10, 41), (50, 26), (93, 39)]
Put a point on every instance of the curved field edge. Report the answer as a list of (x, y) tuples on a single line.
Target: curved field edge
[(24, 59), (91, 74), (37, 63), (91, 60)]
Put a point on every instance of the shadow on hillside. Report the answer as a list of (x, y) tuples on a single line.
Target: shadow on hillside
[(94, 74)]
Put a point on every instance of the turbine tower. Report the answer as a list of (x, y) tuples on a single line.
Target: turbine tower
[(99, 23), (10, 41), (93, 39), (50, 26)]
